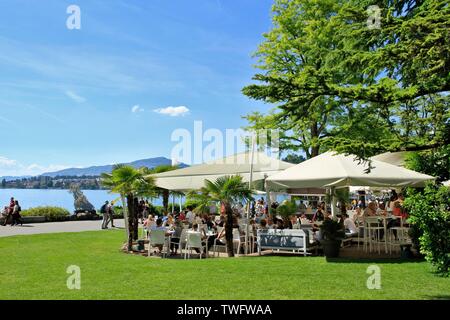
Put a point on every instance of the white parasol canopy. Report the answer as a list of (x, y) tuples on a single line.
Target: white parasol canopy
[(193, 178), (336, 170)]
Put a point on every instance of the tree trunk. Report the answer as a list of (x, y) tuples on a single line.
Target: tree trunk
[(135, 219), (314, 136), (165, 196), (229, 229), (125, 215), (131, 214)]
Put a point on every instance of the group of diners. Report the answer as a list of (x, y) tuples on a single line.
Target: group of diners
[(393, 212), (212, 227)]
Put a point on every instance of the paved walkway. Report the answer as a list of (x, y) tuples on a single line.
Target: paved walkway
[(55, 227)]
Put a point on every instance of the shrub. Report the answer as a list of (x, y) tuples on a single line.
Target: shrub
[(118, 212), (50, 213), (429, 211)]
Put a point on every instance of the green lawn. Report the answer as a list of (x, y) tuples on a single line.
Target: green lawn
[(34, 267)]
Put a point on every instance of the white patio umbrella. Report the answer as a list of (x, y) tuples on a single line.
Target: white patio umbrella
[(331, 170), (193, 178)]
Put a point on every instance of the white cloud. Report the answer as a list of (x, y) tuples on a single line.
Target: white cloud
[(75, 97), (173, 111), (6, 163), (136, 108), (9, 167)]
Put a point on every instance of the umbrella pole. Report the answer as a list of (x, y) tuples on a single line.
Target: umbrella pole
[(333, 202), (250, 186), (173, 203)]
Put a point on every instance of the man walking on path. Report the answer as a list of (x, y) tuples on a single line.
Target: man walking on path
[(104, 211), (110, 214)]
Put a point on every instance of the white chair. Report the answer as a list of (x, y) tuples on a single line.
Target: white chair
[(158, 238), (182, 241), (250, 239), (219, 231), (146, 229), (237, 240), (372, 231), (402, 235), (194, 241)]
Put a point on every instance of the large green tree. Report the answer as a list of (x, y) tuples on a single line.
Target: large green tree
[(339, 82)]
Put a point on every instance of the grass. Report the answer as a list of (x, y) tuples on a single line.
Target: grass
[(34, 267)]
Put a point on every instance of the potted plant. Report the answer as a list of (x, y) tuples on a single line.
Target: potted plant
[(332, 233)]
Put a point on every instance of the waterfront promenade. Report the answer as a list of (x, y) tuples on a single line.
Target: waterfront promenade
[(56, 227)]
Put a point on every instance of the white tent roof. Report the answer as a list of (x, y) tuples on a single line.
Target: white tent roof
[(193, 178), (333, 170), (446, 183), (395, 158)]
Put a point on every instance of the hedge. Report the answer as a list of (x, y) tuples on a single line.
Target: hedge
[(50, 213)]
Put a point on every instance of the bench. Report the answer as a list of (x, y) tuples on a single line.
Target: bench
[(293, 240)]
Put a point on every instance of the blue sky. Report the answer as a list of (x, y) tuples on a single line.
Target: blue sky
[(67, 96)]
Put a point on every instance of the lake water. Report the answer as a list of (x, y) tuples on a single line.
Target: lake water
[(29, 198)]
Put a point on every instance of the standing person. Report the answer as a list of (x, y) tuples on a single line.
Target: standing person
[(110, 214), (320, 213), (16, 218), (190, 216), (103, 210)]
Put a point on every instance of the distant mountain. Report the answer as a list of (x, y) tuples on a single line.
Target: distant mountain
[(12, 178), (98, 170)]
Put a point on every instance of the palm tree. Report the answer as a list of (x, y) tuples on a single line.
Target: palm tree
[(226, 190), (129, 183), (165, 193), (202, 200)]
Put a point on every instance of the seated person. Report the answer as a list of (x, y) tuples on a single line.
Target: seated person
[(175, 239), (371, 210), (263, 225), (304, 219), (221, 222), (159, 226), (280, 224), (202, 233), (357, 216), (350, 228), (295, 222), (270, 224), (209, 223)]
